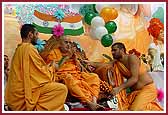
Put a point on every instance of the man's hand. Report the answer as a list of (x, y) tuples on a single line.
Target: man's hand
[(54, 64), (95, 106), (116, 90)]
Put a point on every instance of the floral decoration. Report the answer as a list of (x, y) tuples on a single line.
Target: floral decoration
[(160, 94), (155, 27), (135, 52), (58, 30), (59, 14), (40, 44)]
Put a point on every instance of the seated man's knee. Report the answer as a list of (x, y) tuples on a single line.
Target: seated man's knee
[(63, 88), (136, 108)]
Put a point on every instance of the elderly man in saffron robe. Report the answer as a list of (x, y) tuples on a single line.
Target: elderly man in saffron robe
[(81, 84)]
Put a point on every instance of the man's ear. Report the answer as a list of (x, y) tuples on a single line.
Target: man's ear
[(30, 35), (122, 50)]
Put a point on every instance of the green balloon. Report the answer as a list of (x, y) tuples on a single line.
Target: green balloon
[(94, 8), (87, 8), (107, 40), (111, 27), (88, 17)]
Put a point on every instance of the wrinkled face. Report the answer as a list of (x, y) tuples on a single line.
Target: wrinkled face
[(65, 47), (116, 52), (34, 37)]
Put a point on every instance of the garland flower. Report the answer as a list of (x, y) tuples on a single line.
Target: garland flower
[(58, 30), (155, 28), (59, 14), (160, 95), (40, 44), (135, 52)]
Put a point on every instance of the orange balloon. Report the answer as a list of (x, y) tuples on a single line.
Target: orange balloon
[(108, 14)]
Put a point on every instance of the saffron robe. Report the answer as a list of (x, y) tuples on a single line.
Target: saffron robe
[(81, 85), (139, 100), (30, 85)]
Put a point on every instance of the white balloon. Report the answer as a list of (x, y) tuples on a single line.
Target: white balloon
[(100, 32), (97, 21), (93, 34), (99, 7)]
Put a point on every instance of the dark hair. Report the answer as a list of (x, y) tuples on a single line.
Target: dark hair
[(120, 46), (26, 28)]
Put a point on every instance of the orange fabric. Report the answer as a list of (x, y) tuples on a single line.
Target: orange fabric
[(124, 71), (119, 71), (102, 72), (46, 17), (54, 54), (81, 85), (30, 86), (72, 19), (144, 99)]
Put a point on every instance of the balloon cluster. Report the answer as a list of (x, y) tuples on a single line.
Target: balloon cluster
[(102, 24)]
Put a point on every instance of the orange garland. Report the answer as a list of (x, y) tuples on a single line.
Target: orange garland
[(105, 87), (134, 51), (154, 28)]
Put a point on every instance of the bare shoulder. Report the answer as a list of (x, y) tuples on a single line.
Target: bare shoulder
[(133, 59)]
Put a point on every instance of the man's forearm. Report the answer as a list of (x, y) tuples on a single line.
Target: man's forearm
[(94, 99), (129, 83), (96, 64)]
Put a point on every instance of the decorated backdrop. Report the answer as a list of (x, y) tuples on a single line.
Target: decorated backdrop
[(94, 26)]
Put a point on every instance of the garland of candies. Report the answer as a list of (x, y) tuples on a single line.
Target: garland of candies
[(105, 87)]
